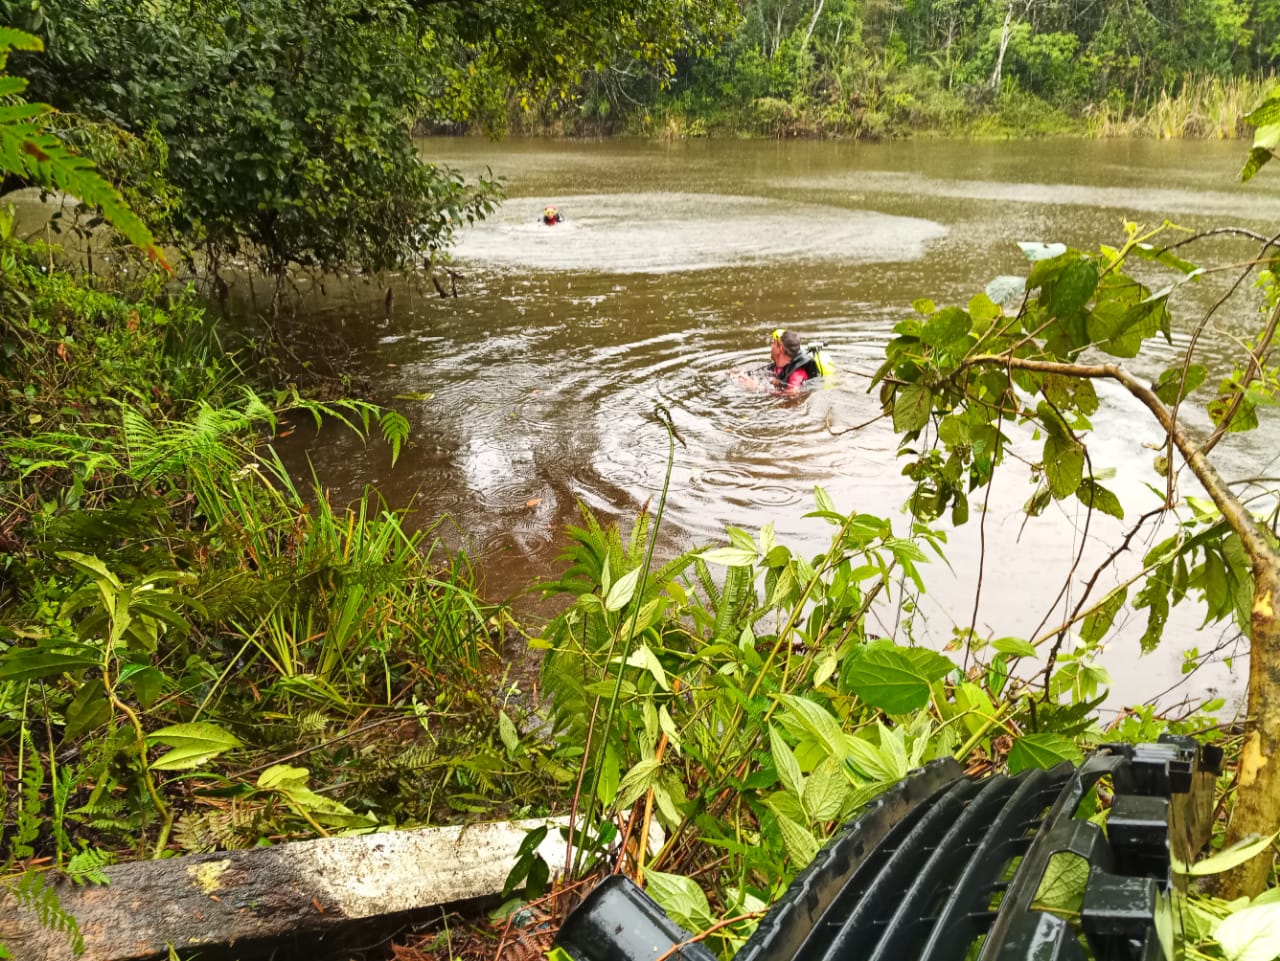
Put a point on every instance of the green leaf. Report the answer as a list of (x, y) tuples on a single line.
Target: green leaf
[(1097, 624), (1040, 251), (825, 792), (1062, 884), (1063, 464), (87, 710), (1092, 494), (192, 745), (25, 664), (1266, 113), (641, 777), (1228, 858), (644, 658), (507, 731), (947, 325), (622, 590), (1002, 290), (888, 680), (1169, 385), (681, 898), (785, 764), (1074, 287), (1014, 647), (1251, 934), (730, 557), (911, 408), (801, 845), (1041, 751)]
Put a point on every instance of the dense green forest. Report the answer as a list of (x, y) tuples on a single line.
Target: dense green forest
[(963, 67), (200, 651)]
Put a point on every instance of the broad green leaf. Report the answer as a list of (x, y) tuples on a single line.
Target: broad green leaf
[(806, 720), (1041, 751), (87, 710), (1251, 934), (1062, 884), (730, 557), (192, 745), (801, 845), (1260, 154), (610, 777), (945, 326), (1074, 287), (1266, 113), (668, 726), (1014, 647), (825, 792), (1005, 289), (1169, 385), (291, 783), (911, 408), (1161, 255), (682, 899), (888, 680), (1093, 494), (1063, 464), (644, 658), (622, 590)]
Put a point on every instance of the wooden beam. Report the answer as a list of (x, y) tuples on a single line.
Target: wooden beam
[(299, 889)]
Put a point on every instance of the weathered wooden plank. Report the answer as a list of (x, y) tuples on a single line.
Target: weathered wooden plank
[(297, 889)]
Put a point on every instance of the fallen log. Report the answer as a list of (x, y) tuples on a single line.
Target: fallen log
[(295, 890)]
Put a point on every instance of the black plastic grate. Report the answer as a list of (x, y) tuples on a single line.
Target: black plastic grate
[(945, 868)]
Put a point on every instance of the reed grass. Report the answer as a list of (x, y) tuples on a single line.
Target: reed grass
[(339, 602), (1201, 108)]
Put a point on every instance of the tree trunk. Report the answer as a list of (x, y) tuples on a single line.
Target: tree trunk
[(813, 22), (1004, 45), (1257, 807), (305, 889)]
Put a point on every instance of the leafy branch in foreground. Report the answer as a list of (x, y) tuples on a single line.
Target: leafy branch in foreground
[(956, 380), (31, 152)]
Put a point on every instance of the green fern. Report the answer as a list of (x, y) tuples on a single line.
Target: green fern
[(30, 151), (30, 811), (87, 864), (34, 895)]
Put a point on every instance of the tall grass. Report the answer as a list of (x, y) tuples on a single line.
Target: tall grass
[(340, 602), (1201, 108)]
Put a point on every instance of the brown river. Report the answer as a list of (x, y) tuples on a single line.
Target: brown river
[(534, 389)]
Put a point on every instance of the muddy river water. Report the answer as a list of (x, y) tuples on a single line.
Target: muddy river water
[(534, 389)]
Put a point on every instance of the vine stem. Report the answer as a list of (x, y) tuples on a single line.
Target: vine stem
[(675, 949)]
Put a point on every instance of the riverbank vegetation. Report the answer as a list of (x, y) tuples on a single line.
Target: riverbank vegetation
[(200, 651), (984, 68)]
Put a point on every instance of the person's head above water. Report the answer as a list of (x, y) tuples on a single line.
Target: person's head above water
[(550, 215), (784, 346)]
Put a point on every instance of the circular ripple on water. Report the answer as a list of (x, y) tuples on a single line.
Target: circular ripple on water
[(665, 232)]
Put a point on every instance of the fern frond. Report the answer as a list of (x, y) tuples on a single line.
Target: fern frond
[(32, 893), (395, 431), (86, 865), (30, 807)]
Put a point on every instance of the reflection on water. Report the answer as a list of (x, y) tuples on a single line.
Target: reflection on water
[(536, 388)]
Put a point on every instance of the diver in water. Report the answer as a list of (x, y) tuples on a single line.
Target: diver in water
[(551, 216), (793, 364)]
